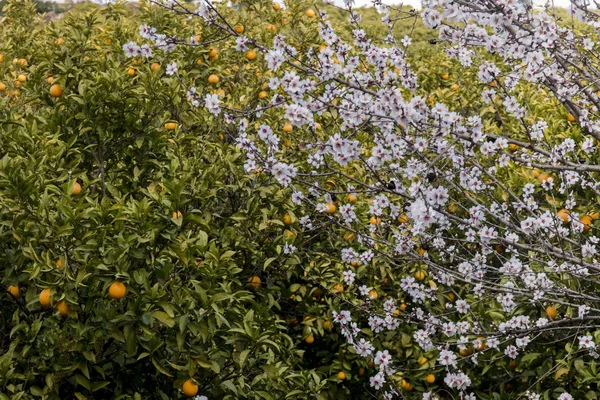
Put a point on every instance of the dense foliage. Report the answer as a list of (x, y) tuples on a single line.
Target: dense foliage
[(306, 201)]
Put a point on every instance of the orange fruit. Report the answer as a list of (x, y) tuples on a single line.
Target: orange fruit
[(170, 126), (341, 375), (50, 79), (239, 28), (595, 214), (271, 28), (327, 324), (445, 76), (56, 90), (177, 214), (455, 88), (373, 294), (337, 288), (403, 219), (406, 386), (563, 215), (551, 311), (131, 71), (482, 346), (422, 360), (350, 236), (251, 55), (586, 220), (419, 275), (13, 292), (189, 388), (63, 308), (361, 372), (199, 61), (375, 221), (512, 364), (276, 6), (76, 189), (351, 198), (254, 282), (310, 339), (262, 95), (430, 378), (287, 127), (421, 251), (287, 219), (213, 79), (21, 78), (570, 118), (2, 86), (331, 208), (59, 41), (371, 363), (155, 67), (59, 263), (212, 53), (310, 13), (466, 352), (117, 290)]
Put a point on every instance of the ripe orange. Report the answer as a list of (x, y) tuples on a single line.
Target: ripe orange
[(595, 214), (13, 292), (455, 88), (310, 339), (276, 6), (422, 360), (199, 61), (155, 67), (551, 311), (213, 79), (287, 127), (570, 118), (21, 78), (403, 219), (327, 325), (63, 308), (337, 288), (419, 275), (56, 90), (586, 220), (373, 294), (406, 386), (375, 221), (254, 282), (2, 86), (310, 13), (212, 53), (341, 375), (482, 346), (563, 215), (421, 251), (271, 28), (351, 198), (76, 189), (131, 71), (177, 214), (59, 41), (430, 378), (371, 364), (59, 263), (170, 126), (50, 79), (251, 55), (350, 236), (287, 219), (239, 28), (117, 290), (331, 208), (190, 389), (466, 352), (262, 95), (445, 76)]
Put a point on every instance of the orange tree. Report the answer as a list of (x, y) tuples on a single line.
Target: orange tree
[(139, 259)]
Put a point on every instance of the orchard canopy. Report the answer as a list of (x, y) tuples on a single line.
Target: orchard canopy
[(294, 199)]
